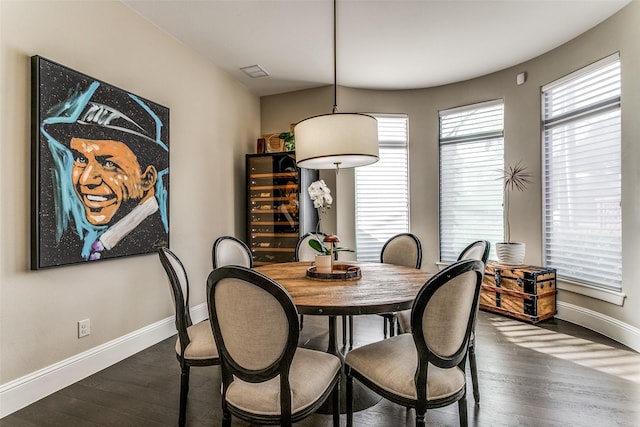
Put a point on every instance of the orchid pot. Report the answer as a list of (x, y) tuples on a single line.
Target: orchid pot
[(323, 263)]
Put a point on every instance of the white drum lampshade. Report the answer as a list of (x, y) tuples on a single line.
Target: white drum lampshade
[(338, 140)]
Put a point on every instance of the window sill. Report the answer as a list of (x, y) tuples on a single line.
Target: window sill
[(612, 297)]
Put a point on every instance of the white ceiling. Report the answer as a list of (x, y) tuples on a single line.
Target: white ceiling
[(390, 44)]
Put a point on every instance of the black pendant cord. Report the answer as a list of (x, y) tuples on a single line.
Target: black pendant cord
[(335, 62)]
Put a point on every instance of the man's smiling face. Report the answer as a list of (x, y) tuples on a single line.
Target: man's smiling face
[(105, 175)]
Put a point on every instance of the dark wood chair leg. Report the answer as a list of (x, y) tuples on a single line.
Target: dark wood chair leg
[(226, 414), (226, 418), (336, 404), (389, 324), (385, 327), (301, 321), (184, 391), (349, 397), (344, 331), (392, 325), (350, 332), (474, 373), (462, 410)]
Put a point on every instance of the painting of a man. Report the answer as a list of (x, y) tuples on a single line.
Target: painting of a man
[(108, 155)]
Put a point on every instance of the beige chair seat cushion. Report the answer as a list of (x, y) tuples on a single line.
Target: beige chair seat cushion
[(391, 364), (202, 345), (310, 376)]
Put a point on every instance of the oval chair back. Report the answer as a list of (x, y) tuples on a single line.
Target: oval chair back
[(402, 249), (477, 250), (228, 250), (425, 369), (255, 324), (304, 252), (443, 313)]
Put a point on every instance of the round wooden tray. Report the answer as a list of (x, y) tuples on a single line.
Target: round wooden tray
[(340, 272)]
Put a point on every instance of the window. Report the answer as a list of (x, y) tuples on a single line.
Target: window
[(471, 160), (582, 175), (382, 190)]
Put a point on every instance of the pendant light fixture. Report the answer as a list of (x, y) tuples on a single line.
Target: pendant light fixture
[(336, 140)]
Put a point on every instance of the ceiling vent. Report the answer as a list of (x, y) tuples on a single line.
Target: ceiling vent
[(254, 71)]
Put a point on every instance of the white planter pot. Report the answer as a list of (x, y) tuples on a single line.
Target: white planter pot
[(510, 253), (323, 263)]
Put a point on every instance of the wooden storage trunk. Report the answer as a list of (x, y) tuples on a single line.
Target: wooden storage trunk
[(524, 292)]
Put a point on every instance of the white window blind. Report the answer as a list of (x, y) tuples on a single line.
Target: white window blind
[(582, 175), (382, 190), (471, 160)]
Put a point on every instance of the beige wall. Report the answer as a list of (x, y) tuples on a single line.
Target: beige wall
[(522, 141), (214, 122)]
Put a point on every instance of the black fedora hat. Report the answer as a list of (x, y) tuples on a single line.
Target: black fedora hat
[(111, 114)]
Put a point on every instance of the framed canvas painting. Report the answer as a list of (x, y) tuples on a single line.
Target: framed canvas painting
[(100, 169)]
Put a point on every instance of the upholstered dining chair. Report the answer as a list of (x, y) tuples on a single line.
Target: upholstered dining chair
[(478, 250), (402, 249), (425, 369), (195, 345), (266, 377), (228, 250)]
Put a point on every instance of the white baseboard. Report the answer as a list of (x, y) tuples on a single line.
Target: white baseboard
[(23, 391), (608, 326)]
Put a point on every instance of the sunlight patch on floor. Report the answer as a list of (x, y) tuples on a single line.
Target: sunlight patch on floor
[(610, 360)]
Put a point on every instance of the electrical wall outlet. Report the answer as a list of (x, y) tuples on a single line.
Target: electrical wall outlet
[(84, 328)]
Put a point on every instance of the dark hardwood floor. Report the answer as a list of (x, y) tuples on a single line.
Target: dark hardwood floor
[(554, 374)]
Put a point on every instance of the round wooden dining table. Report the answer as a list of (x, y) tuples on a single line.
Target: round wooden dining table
[(382, 288)]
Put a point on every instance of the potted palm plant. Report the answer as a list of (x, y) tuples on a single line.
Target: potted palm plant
[(516, 178)]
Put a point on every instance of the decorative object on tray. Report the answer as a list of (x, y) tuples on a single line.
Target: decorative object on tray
[(340, 271), (517, 178), (331, 239), (326, 268)]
